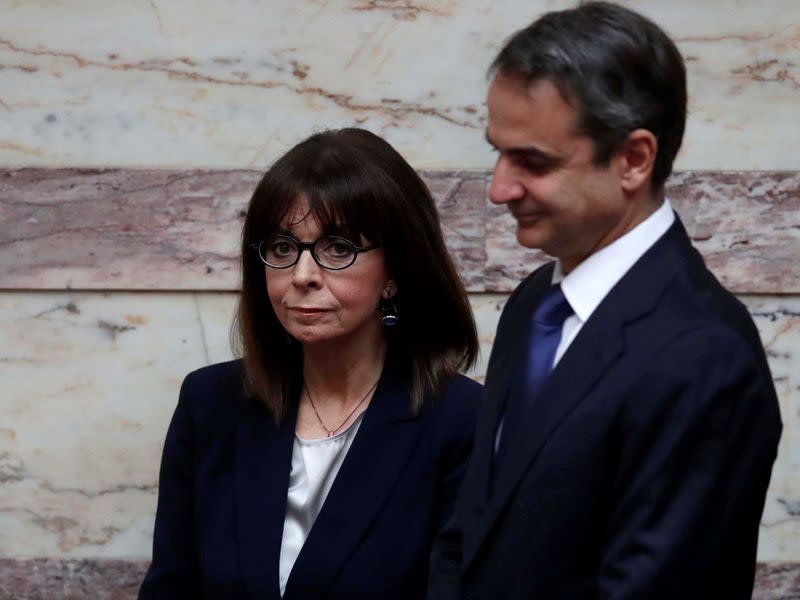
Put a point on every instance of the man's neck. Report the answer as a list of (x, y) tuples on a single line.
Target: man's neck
[(641, 209)]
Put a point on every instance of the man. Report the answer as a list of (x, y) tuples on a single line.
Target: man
[(630, 424)]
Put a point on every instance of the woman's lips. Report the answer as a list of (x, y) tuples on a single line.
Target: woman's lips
[(307, 311)]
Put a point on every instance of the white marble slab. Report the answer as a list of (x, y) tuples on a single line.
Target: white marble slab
[(233, 84), (778, 322), (89, 382)]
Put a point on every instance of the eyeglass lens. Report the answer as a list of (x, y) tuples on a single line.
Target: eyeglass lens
[(330, 252)]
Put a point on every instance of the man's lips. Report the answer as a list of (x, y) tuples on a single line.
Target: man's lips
[(527, 217)]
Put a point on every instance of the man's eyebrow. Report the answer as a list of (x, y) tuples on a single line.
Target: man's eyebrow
[(529, 152)]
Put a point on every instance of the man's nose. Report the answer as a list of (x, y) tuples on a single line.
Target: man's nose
[(505, 186)]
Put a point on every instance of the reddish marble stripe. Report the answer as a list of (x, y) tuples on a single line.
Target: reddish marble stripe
[(54, 579), (178, 230), (746, 224)]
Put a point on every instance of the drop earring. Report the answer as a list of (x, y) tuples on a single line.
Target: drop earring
[(389, 316)]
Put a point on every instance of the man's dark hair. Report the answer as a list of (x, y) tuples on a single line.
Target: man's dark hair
[(357, 186), (618, 69)]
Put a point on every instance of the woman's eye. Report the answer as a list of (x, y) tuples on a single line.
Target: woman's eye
[(281, 248), (340, 248)]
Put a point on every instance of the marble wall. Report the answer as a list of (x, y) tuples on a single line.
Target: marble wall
[(132, 132), (231, 84)]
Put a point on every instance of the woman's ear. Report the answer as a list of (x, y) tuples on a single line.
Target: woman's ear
[(389, 290)]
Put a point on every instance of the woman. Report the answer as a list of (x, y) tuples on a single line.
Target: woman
[(324, 462)]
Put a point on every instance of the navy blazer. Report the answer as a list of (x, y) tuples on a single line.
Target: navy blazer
[(646, 457), (224, 482)]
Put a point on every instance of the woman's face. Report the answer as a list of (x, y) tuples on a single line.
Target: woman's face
[(317, 305)]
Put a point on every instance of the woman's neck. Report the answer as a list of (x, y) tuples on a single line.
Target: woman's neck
[(342, 373)]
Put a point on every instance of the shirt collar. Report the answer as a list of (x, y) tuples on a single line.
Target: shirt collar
[(588, 283)]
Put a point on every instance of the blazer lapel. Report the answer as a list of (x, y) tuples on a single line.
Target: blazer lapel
[(382, 447), (263, 464)]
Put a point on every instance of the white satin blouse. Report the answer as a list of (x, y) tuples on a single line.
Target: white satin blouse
[(315, 464)]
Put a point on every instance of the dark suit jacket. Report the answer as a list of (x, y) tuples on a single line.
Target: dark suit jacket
[(646, 458), (224, 481)]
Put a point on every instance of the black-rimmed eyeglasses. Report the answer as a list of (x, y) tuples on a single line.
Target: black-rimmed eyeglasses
[(330, 252)]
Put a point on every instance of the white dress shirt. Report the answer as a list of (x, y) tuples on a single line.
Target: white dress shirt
[(591, 281)]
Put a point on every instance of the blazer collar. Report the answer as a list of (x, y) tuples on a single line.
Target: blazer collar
[(589, 357), (263, 464), (383, 444)]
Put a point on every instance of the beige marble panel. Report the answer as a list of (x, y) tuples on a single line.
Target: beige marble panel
[(233, 84), (90, 380)]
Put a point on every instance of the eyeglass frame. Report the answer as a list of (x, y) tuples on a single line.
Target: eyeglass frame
[(311, 247)]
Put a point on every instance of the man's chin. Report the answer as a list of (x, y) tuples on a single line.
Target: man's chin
[(531, 237)]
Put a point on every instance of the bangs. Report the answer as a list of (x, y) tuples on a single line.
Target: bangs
[(343, 197)]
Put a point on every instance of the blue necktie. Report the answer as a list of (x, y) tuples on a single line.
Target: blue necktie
[(547, 322)]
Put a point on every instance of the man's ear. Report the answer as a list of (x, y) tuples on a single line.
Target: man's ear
[(637, 158)]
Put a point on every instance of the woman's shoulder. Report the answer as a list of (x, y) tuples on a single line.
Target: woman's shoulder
[(452, 415), (458, 402), (209, 392), (460, 388), (216, 375)]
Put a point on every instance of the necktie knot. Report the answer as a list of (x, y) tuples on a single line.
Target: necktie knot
[(553, 308)]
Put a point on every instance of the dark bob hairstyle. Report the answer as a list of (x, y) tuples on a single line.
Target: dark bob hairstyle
[(618, 70), (358, 186)]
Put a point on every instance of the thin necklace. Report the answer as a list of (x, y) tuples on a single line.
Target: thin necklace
[(332, 432)]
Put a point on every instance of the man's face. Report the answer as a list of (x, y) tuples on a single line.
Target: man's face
[(563, 203)]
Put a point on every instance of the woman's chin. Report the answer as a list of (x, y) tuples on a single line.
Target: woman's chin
[(313, 338)]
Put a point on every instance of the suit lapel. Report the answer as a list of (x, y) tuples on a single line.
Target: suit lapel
[(263, 464), (589, 357), (383, 444), (504, 361), (591, 354)]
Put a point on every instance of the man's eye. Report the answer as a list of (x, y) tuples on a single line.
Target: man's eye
[(536, 167)]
